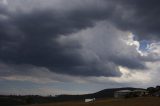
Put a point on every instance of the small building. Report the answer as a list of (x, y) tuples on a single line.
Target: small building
[(129, 93), (122, 93), (90, 100)]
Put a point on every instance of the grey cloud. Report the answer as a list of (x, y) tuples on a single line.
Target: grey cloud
[(139, 17), (34, 41), (133, 63), (110, 47), (32, 37)]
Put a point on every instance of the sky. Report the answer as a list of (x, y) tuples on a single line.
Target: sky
[(51, 47)]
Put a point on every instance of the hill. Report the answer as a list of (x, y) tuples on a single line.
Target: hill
[(31, 99), (106, 93)]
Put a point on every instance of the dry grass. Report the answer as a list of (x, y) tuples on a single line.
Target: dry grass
[(142, 101)]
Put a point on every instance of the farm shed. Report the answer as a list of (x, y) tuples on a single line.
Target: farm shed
[(122, 93), (129, 93)]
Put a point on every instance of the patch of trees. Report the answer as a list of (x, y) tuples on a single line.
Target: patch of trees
[(154, 91)]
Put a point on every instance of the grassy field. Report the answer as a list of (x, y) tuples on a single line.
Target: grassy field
[(141, 101)]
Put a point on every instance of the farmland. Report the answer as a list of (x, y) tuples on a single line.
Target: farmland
[(140, 101)]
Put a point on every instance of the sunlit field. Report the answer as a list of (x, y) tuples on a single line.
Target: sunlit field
[(141, 101)]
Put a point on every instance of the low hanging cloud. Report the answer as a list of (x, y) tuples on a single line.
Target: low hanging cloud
[(31, 38), (84, 39)]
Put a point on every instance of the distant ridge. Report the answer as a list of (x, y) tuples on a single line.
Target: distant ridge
[(14, 100), (106, 93), (110, 92)]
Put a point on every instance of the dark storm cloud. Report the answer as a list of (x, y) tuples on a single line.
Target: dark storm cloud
[(140, 17), (31, 38), (133, 63)]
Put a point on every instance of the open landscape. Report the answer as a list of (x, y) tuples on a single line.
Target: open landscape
[(108, 97), (79, 52), (140, 101)]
